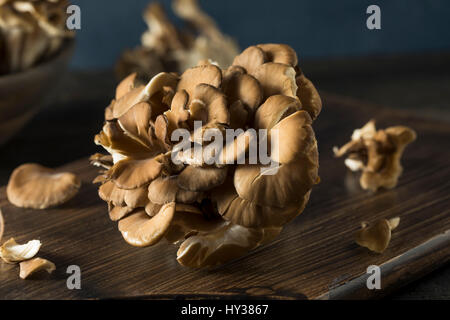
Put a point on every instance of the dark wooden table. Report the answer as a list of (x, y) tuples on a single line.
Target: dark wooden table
[(54, 138)]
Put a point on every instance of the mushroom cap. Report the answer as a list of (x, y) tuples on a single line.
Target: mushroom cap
[(224, 243), (209, 105), (165, 190), (30, 267), (133, 198), (279, 53), (377, 154), (2, 225), (297, 172), (38, 187), (376, 237), (140, 230), (118, 213), (136, 123), (12, 252), (201, 179), (309, 97), (131, 174), (245, 88), (276, 78), (250, 59), (204, 74), (126, 85)]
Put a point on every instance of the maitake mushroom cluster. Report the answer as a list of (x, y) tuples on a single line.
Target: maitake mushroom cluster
[(30, 31), (217, 212), (377, 154), (165, 47)]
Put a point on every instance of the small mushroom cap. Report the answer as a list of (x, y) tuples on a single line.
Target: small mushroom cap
[(243, 87), (38, 187), (131, 174), (226, 243), (134, 198), (201, 179), (376, 237), (209, 104), (165, 190), (140, 230), (308, 95), (136, 123), (118, 213), (12, 252), (30, 267), (377, 154), (275, 109), (277, 78), (126, 85), (143, 93), (279, 53), (250, 59), (206, 74)]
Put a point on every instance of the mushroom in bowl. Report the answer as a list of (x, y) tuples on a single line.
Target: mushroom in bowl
[(35, 48)]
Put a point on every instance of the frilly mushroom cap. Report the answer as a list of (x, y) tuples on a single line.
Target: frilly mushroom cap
[(218, 204), (279, 53), (204, 74), (228, 242), (12, 252), (37, 187), (376, 237), (30, 267), (140, 230), (377, 154), (2, 225)]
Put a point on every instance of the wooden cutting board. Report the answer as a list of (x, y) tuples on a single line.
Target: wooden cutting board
[(314, 257)]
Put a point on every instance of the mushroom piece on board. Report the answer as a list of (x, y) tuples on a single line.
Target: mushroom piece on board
[(38, 187)]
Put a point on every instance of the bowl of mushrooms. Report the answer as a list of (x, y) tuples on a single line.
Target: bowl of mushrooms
[(35, 49)]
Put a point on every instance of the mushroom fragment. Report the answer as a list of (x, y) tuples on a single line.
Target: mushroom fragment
[(217, 205), (34, 186), (2, 225), (376, 237), (12, 252), (377, 153), (27, 268), (164, 47), (31, 31)]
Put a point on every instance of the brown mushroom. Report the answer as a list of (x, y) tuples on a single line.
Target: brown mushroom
[(279, 53), (276, 78), (140, 230), (30, 267), (250, 59), (224, 202), (165, 190), (224, 243), (205, 74), (2, 225), (377, 154), (37, 187), (12, 252), (376, 237)]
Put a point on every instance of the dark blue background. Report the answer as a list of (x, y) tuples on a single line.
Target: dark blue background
[(315, 28)]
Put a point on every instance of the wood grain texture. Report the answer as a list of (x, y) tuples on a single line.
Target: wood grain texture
[(314, 257)]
